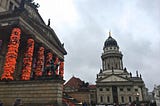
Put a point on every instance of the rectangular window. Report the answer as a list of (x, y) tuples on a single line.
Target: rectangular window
[(104, 64), (136, 89), (137, 98), (107, 89), (130, 99), (108, 66), (108, 99), (15, 8), (100, 89), (128, 89), (0, 2), (122, 98), (101, 99), (121, 89), (10, 6), (0, 44), (92, 95)]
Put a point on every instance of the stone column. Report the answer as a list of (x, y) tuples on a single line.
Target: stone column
[(49, 64), (61, 69), (27, 60), (56, 64), (39, 62), (11, 56)]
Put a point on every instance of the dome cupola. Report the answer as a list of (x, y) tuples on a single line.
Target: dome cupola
[(111, 56), (110, 42)]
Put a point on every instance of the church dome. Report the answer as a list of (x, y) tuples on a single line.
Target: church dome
[(110, 42)]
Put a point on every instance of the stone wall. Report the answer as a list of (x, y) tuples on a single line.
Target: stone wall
[(125, 92), (81, 96), (32, 93)]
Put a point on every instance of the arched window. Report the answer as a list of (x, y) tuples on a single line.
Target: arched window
[(11, 5), (116, 66), (108, 66)]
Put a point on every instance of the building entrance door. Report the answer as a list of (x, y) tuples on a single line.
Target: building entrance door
[(115, 94)]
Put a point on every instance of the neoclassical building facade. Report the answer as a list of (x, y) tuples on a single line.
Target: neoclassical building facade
[(115, 85), (31, 56)]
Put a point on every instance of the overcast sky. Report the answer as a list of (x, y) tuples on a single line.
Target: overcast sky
[(83, 25)]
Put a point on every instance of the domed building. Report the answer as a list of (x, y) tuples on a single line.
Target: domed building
[(115, 85)]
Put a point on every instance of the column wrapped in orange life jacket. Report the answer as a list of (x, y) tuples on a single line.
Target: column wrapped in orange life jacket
[(56, 64), (27, 60), (48, 64), (11, 56), (61, 69), (40, 62)]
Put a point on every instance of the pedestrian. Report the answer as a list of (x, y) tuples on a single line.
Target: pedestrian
[(84, 104), (1, 104), (18, 102)]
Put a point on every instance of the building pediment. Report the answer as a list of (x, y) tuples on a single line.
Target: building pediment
[(113, 78), (33, 12), (32, 24)]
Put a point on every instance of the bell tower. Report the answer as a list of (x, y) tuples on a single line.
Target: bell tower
[(115, 85), (111, 56)]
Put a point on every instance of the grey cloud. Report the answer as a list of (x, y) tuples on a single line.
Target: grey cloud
[(135, 25), (136, 47)]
